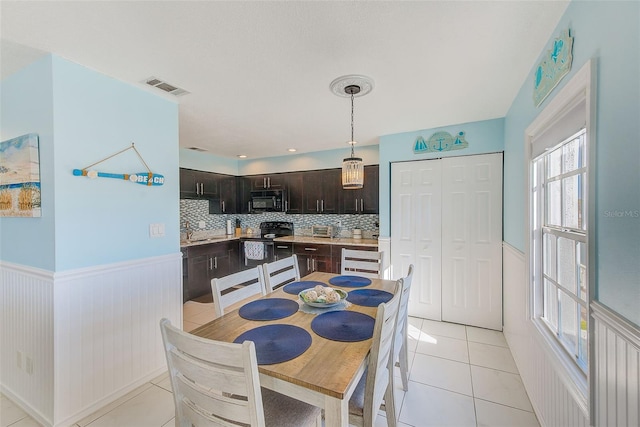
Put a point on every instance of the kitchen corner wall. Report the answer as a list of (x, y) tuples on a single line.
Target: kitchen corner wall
[(83, 287), (195, 211)]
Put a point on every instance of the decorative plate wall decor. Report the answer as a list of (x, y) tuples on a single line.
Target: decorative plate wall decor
[(553, 67)]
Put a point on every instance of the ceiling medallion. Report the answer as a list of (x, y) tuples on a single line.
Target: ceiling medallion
[(339, 85)]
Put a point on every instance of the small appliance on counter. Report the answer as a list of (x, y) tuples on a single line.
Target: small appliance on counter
[(357, 233), (321, 231), (229, 228)]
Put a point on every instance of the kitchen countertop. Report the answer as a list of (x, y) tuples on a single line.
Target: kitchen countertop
[(344, 241), (216, 239)]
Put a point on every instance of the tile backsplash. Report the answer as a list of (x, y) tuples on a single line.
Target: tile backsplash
[(197, 211)]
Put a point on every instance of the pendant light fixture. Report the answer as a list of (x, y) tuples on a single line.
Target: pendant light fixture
[(352, 167)]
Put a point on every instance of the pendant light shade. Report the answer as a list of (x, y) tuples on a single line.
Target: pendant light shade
[(352, 172)]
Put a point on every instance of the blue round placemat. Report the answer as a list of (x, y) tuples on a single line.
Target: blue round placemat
[(348, 326), (268, 309), (350, 281), (369, 297), (295, 288), (277, 343)]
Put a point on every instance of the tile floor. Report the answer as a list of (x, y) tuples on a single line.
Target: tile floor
[(460, 376)]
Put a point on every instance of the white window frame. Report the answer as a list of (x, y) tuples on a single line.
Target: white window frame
[(541, 228), (542, 134)]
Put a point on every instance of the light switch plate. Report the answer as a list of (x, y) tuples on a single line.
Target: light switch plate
[(156, 230)]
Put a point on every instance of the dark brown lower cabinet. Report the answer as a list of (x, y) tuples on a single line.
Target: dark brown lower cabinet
[(320, 257), (313, 257), (205, 262)]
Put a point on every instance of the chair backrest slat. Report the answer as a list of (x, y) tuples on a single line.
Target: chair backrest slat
[(281, 272), (362, 263), (380, 365), (403, 313), (214, 383), (236, 287)]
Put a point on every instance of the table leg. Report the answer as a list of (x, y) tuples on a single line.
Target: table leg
[(336, 412)]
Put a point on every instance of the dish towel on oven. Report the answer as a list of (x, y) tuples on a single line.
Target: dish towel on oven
[(253, 251)]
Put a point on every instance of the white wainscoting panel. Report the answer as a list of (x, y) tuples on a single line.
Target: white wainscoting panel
[(555, 402), (26, 326), (93, 333), (617, 370)]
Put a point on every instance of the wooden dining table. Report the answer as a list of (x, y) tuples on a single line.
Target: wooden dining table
[(326, 374)]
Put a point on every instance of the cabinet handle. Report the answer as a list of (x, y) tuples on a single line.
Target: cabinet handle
[(223, 209), (282, 247), (313, 265), (215, 260), (356, 205), (197, 189), (249, 207), (361, 205), (311, 249), (210, 263), (321, 205), (269, 182), (308, 268), (201, 188), (286, 206), (264, 182), (317, 205)]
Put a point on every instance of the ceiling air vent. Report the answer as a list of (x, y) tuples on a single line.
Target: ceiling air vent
[(196, 149), (162, 85)]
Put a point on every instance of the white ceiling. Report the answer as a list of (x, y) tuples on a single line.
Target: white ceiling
[(258, 73)]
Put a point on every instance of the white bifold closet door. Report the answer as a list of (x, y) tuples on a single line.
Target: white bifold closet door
[(416, 199), (446, 219)]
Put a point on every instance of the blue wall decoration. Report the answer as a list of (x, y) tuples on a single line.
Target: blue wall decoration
[(440, 141), (555, 64), (147, 178)]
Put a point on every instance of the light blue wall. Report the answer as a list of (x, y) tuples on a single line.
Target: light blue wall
[(609, 32), (328, 159), (483, 137), (82, 117), (101, 221), (27, 107), (208, 162)]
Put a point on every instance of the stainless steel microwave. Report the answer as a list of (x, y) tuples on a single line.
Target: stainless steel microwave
[(267, 201)]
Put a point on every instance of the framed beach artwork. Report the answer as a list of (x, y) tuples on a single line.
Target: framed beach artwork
[(20, 177)]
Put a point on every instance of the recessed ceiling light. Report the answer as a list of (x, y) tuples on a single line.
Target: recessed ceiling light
[(242, 156), (291, 150)]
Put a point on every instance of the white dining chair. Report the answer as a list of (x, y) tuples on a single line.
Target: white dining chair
[(400, 347), (281, 272), (236, 287), (361, 263), (217, 384), (376, 385)]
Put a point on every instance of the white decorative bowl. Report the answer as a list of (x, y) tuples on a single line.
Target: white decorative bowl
[(321, 304)]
